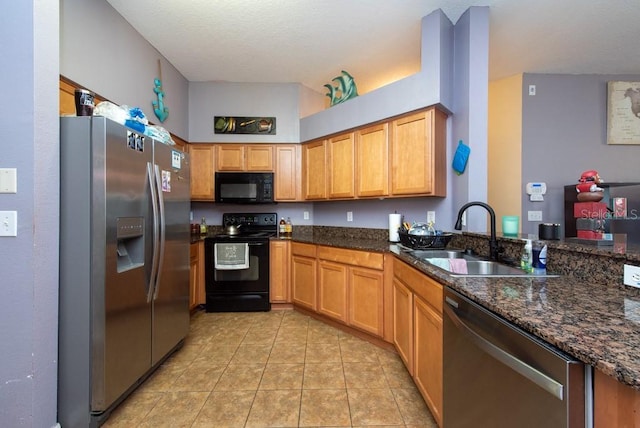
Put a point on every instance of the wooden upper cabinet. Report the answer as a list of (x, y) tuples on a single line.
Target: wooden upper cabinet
[(372, 155), (230, 157), (202, 171), (259, 157), (418, 154), (341, 166), (67, 98), (287, 172), (244, 157), (314, 170)]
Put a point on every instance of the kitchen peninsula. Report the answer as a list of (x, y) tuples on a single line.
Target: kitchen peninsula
[(585, 311)]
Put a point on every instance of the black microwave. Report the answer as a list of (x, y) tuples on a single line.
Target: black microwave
[(244, 187)]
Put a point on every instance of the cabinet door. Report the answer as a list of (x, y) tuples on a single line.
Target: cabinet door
[(403, 323), (303, 281), (332, 290), (418, 163), (372, 154), (614, 403), (202, 171), (200, 289), (428, 355), (230, 157), (287, 173), (193, 276), (279, 272), (341, 167), (366, 288), (260, 157), (313, 170)]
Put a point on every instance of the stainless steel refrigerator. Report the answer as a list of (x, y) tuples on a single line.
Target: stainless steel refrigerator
[(124, 263)]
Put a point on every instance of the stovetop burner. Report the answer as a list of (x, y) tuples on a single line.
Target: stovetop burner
[(252, 225)]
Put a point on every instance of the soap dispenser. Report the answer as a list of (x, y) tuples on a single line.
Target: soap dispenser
[(527, 256)]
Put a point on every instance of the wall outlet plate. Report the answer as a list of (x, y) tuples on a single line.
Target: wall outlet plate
[(431, 216), (8, 223), (349, 215), (632, 276), (534, 215)]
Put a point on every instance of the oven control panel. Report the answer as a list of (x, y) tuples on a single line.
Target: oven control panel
[(250, 219)]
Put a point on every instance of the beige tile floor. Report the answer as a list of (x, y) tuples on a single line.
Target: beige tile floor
[(274, 369)]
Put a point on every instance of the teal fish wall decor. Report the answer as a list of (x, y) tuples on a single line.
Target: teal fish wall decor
[(344, 89)]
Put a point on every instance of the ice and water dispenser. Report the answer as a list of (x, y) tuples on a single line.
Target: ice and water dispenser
[(130, 243)]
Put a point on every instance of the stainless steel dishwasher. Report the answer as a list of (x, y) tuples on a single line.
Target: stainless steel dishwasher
[(497, 375)]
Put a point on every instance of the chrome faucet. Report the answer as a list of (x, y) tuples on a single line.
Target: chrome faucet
[(493, 242)]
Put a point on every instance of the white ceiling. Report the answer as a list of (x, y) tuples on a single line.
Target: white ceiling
[(378, 41)]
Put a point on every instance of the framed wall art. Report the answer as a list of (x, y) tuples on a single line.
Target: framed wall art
[(244, 125), (623, 112)]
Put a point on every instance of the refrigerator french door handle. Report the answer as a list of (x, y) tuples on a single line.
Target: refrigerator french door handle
[(162, 229), (542, 380), (156, 233)]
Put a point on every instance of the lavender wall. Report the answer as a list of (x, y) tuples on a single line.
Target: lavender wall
[(470, 112), (29, 262), (100, 50), (564, 132), (279, 100)]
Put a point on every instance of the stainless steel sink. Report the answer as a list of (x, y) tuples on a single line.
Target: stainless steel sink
[(489, 268), (438, 254), (476, 267)]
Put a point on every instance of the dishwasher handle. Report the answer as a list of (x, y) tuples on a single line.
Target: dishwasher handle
[(550, 385)]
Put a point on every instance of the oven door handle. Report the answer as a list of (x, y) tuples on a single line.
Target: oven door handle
[(256, 244)]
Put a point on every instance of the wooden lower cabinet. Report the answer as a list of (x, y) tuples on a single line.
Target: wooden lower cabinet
[(196, 274), (279, 271), (417, 327), (427, 324), (403, 323), (332, 290), (366, 300), (615, 404), (303, 275)]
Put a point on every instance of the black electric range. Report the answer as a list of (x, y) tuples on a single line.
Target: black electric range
[(242, 285)]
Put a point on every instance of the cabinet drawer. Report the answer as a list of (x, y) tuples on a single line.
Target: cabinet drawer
[(307, 250), (428, 289), (352, 257)]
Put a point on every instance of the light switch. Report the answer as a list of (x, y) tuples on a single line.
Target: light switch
[(8, 223), (8, 180)]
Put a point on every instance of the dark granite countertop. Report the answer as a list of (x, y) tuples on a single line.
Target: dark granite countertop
[(596, 322)]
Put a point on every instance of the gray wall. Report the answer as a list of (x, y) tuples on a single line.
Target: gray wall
[(279, 100), (470, 114), (29, 262), (464, 92), (564, 132), (101, 51)]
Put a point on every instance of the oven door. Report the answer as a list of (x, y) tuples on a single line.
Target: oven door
[(230, 290)]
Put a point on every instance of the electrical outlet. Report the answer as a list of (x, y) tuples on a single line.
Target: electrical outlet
[(534, 215), (305, 215), (8, 180), (431, 216), (349, 216), (632, 276), (8, 223), (464, 218), (532, 90)]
